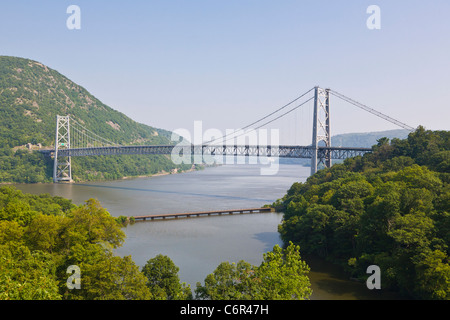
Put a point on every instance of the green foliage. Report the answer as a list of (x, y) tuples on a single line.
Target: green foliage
[(41, 236), (108, 277), (24, 167), (163, 280), (229, 281), (26, 275), (281, 276), (389, 208), (93, 224), (95, 168)]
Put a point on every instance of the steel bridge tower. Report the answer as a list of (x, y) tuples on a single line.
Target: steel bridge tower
[(62, 168), (321, 128)]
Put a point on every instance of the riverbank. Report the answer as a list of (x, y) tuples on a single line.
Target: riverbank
[(330, 282), (159, 174)]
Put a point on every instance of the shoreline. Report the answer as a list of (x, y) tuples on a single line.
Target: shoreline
[(159, 174)]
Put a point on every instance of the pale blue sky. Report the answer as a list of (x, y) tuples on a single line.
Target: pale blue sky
[(229, 62)]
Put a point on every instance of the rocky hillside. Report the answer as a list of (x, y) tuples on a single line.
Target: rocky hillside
[(32, 94)]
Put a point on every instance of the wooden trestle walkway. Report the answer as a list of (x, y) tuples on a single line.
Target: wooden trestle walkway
[(200, 213)]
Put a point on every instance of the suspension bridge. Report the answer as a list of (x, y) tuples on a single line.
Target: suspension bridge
[(72, 139)]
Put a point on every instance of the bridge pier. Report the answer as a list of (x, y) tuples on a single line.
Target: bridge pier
[(62, 164), (321, 128)]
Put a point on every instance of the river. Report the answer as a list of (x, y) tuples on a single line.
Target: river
[(198, 245)]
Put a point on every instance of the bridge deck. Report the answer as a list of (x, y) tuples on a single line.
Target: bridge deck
[(283, 151), (200, 213)]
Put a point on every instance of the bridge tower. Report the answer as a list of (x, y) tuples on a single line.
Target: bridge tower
[(62, 168), (321, 128)]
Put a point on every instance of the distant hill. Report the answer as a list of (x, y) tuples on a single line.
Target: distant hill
[(361, 140), (366, 140), (32, 94)]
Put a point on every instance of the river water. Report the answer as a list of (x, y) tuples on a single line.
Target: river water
[(198, 245)]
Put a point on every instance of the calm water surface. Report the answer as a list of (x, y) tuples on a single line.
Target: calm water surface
[(198, 245)]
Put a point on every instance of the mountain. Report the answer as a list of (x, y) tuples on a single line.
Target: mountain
[(32, 94)]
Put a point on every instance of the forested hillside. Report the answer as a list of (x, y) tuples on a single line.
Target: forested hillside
[(32, 94), (390, 208)]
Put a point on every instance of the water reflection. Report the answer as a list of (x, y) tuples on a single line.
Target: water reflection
[(268, 238), (330, 282)]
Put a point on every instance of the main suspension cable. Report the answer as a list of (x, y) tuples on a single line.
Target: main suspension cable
[(373, 111), (265, 117)]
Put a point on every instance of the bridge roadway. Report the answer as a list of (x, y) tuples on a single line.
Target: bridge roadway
[(305, 152), (200, 213)]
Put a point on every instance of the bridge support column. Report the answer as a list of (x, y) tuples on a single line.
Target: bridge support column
[(321, 128), (62, 167)]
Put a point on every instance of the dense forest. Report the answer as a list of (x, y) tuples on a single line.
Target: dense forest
[(389, 208), (32, 95), (43, 237)]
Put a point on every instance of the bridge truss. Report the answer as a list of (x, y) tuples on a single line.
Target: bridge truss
[(209, 150)]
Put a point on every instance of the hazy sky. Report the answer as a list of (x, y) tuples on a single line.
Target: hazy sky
[(228, 63)]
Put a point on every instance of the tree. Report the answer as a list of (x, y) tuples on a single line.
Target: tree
[(108, 277), (163, 281), (412, 231), (10, 231), (433, 275), (42, 233), (229, 281), (26, 275), (92, 223), (281, 276), (17, 210)]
